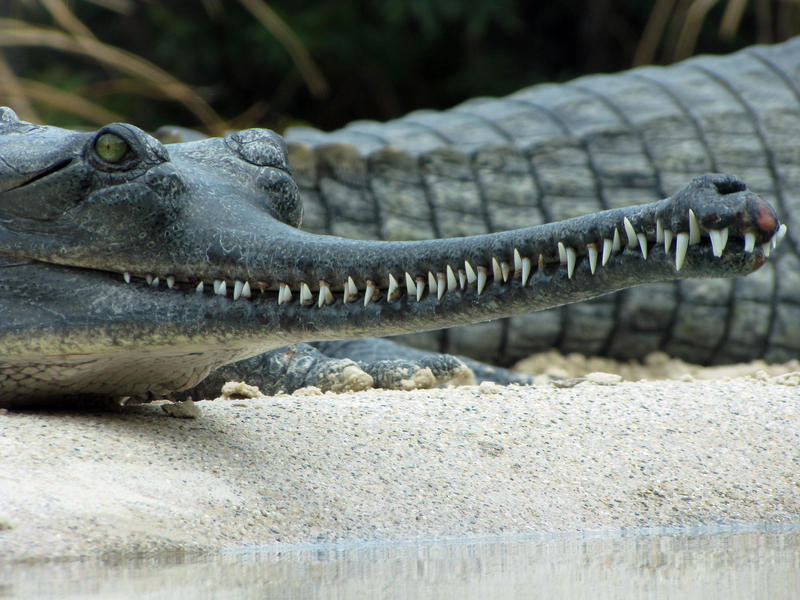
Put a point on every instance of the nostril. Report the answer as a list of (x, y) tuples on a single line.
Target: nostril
[(282, 197), (260, 147), (729, 185), (764, 217)]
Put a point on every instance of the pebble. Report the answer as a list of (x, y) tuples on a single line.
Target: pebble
[(310, 390), (239, 390), (181, 410), (600, 378)]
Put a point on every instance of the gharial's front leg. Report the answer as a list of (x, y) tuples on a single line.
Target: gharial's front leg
[(354, 365)]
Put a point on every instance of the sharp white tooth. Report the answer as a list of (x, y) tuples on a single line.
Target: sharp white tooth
[(570, 261), (606, 251), (350, 291), (127, 277), (724, 237), (642, 244), (716, 242), (325, 294), (452, 284), (155, 282), (562, 253), (694, 229), (749, 241), (420, 288), (199, 288), (526, 269), (616, 244), (237, 289), (216, 286), (471, 277), (497, 273), (517, 262), (432, 286), (462, 279), (681, 245), (222, 289), (630, 232), (411, 286), (668, 237), (149, 279), (483, 273), (369, 292), (246, 290), (170, 282), (779, 235), (392, 287), (284, 293), (592, 250), (506, 268), (441, 285), (659, 232), (306, 297), (766, 247)]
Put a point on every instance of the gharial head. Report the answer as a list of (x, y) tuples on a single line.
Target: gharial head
[(130, 256), (117, 199)]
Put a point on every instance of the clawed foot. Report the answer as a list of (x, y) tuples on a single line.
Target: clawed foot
[(352, 366)]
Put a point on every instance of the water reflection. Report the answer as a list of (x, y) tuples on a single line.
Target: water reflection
[(700, 563)]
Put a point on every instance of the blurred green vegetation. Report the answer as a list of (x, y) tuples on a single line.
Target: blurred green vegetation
[(217, 64)]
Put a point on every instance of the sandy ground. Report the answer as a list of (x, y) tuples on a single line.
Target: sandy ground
[(390, 465)]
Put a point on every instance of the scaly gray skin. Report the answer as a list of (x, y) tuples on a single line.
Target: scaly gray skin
[(556, 151), (101, 256)]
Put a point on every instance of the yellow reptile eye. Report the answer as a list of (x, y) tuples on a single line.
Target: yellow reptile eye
[(110, 147)]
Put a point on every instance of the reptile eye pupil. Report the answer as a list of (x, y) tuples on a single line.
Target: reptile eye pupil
[(111, 148)]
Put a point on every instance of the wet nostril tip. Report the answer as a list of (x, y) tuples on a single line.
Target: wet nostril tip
[(762, 215)]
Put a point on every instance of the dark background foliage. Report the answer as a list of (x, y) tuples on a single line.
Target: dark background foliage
[(371, 59)]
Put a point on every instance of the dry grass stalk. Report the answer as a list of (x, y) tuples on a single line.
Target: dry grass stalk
[(302, 59)]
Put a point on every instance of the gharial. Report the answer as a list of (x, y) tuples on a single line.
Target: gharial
[(129, 267)]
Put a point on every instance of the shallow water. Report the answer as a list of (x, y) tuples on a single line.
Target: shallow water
[(745, 562)]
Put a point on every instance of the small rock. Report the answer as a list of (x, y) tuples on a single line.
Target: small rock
[(490, 448), (238, 390), (761, 375), (600, 378), (181, 410), (307, 391), (792, 379), (490, 387), (568, 383)]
